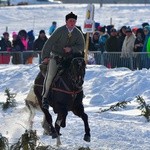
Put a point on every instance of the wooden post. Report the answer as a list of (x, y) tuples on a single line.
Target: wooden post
[(86, 48), (110, 21), (6, 29)]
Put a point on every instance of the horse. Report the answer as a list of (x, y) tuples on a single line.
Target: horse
[(66, 94)]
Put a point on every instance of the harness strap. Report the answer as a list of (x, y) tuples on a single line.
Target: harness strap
[(67, 92)]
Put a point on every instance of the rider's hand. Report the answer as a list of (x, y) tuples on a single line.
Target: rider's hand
[(67, 49), (46, 60)]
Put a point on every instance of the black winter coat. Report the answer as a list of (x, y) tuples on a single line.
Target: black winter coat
[(4, 45), (112, 44), (39, 43)]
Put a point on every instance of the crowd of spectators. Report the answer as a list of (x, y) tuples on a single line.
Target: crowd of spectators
[(104, 39), (126, 40), (22, 41)]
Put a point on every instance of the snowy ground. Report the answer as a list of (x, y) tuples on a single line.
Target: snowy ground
[(120, 130)]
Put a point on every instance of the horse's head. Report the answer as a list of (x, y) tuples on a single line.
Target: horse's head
[(77, 71)]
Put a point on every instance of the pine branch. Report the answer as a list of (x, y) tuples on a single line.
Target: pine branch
[(3, 143), (144, 107), (116, 106), (10, 101)]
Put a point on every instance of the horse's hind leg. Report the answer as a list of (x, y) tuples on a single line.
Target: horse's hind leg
[(79, 111), (32, 113)]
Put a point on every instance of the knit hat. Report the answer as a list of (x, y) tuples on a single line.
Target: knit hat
[(71, 15), (147, 28), (102, 29), (14, 34)]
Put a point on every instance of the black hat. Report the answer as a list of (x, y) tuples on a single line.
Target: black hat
[(42, 31), (71, 15), (128, 29), (5, 33), (113, 30), (145, 24)]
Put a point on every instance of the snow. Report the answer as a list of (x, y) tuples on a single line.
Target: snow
[(124, 129)]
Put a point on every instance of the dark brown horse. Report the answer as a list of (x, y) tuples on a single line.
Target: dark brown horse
[(66, 94)]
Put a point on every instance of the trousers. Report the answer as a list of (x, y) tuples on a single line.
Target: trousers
[(52, 68)]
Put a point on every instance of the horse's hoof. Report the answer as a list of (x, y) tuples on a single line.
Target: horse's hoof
[(87, 138), (54, 135)]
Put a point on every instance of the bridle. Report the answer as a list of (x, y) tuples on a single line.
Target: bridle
[(75, 72)]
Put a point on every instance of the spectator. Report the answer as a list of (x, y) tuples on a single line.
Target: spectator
[(52, 27), (128, 46), (138, 46), (5, 45), (95, 46), (23, 37), (146, 47), (103, 37), (112, 45), (17, 46), (31, 38), (40, 41), (109, 27), (139, 41), (122, 35)]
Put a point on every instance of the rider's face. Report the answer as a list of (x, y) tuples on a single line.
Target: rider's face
[(71, 23)]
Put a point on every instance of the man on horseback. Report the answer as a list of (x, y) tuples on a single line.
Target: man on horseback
[(65, 42)]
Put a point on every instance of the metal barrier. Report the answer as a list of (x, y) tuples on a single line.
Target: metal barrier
[(135, 60), (24, 57)]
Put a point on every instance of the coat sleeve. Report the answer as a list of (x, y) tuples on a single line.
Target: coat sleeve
[(48, 46), (79, 45)]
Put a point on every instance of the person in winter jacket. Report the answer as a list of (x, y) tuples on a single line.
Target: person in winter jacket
[(31, 38), (128, 47), (112, 45), (138, 46), (103, 37), (95, 46), (40, 41), (17, 46), (52, 27), (65, 42), (5, 45), (146, 47), (122, 35), (128, 44)]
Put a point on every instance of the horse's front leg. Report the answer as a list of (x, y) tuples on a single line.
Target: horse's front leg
[(60, 122), (79, 111), (50, 122)]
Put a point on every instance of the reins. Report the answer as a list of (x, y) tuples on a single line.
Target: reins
[(67, 92)]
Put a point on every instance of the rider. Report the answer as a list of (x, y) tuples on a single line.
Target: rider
[(65, 41)]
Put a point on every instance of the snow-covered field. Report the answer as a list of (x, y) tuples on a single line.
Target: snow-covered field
[(112, 130)]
